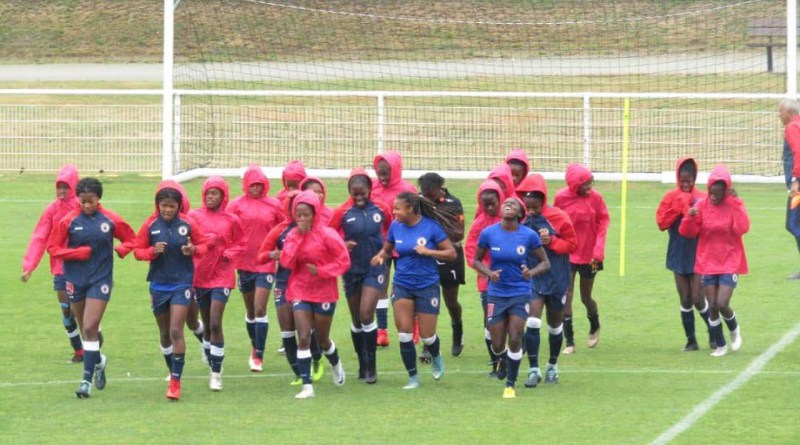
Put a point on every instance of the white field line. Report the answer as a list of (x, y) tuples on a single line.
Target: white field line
[(706, 405)]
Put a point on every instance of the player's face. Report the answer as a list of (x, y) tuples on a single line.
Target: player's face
[(716, 193), (402, 211), (686, 181), (89, 202), (517, 172), (360, 194), (432, 193), (62, 191), (292, 184), (490, 203), (256, 190), (304, 215), (511, 209), (784, 115), (533, 205), (586, 187), (213, 198), (384, 172), (315, 187), (168, 208)]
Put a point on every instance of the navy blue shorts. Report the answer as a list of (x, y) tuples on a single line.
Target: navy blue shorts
[(498, 309), (326, 309), (279, 294), (59, 282), (484, 298), (451, 273), (586, 271), (552, 301), (376, 278), (160, 301), (204, 296), (249, 281), (426, 301), (97, 291), (725, 279)]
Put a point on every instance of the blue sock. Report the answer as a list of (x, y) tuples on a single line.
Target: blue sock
[(433, 348), (532, 341), (556, 338), (381, 314), (569, 334), (731, 322), (716, 332), (409, 354), (90, 360), (687, 318), (514, 360), (178, 361), (304, 365), (216, 355), (261, 331), (290, 345), (251, 330), (316, 352), (332, 354), (358, 344)]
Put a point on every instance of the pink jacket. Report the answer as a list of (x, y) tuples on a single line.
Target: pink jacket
[(719, 229), (676, 202), (225, 239), (294, 171), (501, 174), (396, 183), (258, 216), (481, 222), (324, 212), (320, 246), (49, 219), (588, 214), (520, 155)]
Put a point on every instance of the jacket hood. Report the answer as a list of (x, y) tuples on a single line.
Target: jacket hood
[(502, 172), (359, 171), (218, 183), (310, 198), (678, 165), (576, 176), (294, 171), (488, 185), (520, 155), (170, 184), (533, 183), (69, 176), (254, 175), (395, 162), (321, 182), (719, 173)]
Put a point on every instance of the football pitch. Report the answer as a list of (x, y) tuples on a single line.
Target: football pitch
[(636, 387)]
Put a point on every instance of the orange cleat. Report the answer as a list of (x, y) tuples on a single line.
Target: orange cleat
[(383, 338), (174, 390)]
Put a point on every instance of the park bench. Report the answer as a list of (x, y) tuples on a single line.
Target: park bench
[(767, 33)]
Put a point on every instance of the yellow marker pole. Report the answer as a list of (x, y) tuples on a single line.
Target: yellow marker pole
[(623, 220)]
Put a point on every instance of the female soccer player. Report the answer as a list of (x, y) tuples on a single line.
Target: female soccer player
[(317, 256), (258, 214), (362, 223), (681, 250), (559, 240), (168, 239), (719, 222), (317, 186), (292, 174), (513, 248), (517, 160), (214, 271), (84, 240), (389, 169), (489, 193), (419, 242), (589, 216), (65, 202)]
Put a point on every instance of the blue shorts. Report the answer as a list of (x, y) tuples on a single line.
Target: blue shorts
[(376, 278), (326, 309), (498, 309), (249, 281), (279, 294), (160, 301), (204, 296), (586, 271), (97, 291), (59, 282), (426, 301), (725, 279), (552, 301)]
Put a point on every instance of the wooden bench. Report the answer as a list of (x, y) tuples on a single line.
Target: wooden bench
[(767, 33)]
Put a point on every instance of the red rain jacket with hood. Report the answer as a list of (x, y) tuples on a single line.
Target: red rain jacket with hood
[(320, 246), (397, 184), (325, 212), (501, 174), (521, 156), (54, 212), (673, 208), (294, 171), (225, 240), (588, 214), (719, 229), (258, 216), (481, 222), (566, 240)]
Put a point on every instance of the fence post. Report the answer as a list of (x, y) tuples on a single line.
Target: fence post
[(176, 133), (791, 48), (587, 131), (381, 115), (167, 91)]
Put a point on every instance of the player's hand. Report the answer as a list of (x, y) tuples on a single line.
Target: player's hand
[(350, 245), (188, 249), (275, 254), (526, 273), (693, 211), (422, 250), (312, 269), (594, 264), (377, 260), (26, 275), (544, 235), (159, 248), (494, 275)]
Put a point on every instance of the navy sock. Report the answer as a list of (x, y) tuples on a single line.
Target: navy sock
[(731, 322), (358, 345), (513, 367), (594, 322), (382, 315), (290, 345), (532, 341), (555, 346), (178, 361), (90, 360), (304, 365), (569, 334), (216, 355), (75, 339), (433, 348), (316, 352), (370, 348), (168, 361), (716, 333), (409, 354), (332, 355), (261, 330), (251, 331), (687, 318)]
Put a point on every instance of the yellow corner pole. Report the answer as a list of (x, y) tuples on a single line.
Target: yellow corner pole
[(623, 220)]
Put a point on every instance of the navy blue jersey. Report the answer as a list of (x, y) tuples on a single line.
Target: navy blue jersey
[(556, 280), (508, 252), (282, 274), (364, 226), (681, 251), (414, 271), (97, 232), (171, 267)]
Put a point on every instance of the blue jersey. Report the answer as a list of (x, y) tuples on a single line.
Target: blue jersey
[(364, 226), (282, 274), (414, 271), (508, 252), (171, 268), (556, 280), (97, 232)]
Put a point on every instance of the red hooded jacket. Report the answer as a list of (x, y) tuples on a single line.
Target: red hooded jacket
[(225, 240), (566, 240), (338, 213), (501, 174), (676, 202), (520, 155), (481, 222), (54, 212), (294, 171), (258, 216), (320, 246), (588, 214), (324, 212), (719, 229), (396, 183)]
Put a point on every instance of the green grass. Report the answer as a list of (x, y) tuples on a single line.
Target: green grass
[(629, 390)]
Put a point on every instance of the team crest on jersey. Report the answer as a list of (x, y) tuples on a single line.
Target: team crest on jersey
[(326, 306), (183, 230), (188, 294), (376, 217), (104, 289), (105, 227), (435, 302), (421, 241), (520, 250)]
